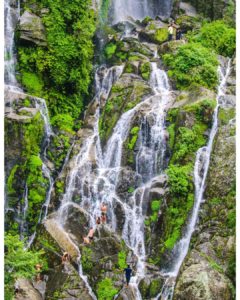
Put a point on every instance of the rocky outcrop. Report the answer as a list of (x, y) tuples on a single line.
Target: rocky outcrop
[(126, 93), (150, 286), (214, 9), (106, 257), (32, 29), (201, 281), (26, 290), (65, 283)]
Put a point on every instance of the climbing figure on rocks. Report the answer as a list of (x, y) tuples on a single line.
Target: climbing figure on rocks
[(65, 258), (89, 238), (86, 240), (98, 221), (128, 272), (104, 209), (90, 234), (38, 268)]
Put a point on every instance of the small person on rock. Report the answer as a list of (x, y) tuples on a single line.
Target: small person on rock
[(103, 218), (90, 234), (65, 258), (86, 240), (38, 268), (98, 221), (104, 209), (128, 272)]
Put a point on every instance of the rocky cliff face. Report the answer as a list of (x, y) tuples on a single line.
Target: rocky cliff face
[(215, 9)]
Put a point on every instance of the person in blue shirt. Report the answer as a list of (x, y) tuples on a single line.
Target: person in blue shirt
[(128, 272)]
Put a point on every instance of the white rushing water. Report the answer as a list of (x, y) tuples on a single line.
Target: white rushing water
[(11, 17), (95, 173), (200, 174), (124, 10)]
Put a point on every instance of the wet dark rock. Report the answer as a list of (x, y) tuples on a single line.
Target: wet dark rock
[(150, 287), (77, 222), (66, 283)]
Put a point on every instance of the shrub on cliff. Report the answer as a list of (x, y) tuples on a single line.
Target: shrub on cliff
[(64, 66), (218, 36), (192, 64)]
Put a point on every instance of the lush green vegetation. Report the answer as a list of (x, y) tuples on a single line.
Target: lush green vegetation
[(19, 263), (61, 72), (106, 290), (86, 259), (195, 63), (218, 36), (184, 141), (192, 64), (155, 207), (122, 257)]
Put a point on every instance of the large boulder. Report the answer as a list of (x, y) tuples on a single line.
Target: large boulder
[(127, 293), (32, 29), (26, 290), (155, 32), (77, 222), (65, 283), (200, 280), (150, 286)]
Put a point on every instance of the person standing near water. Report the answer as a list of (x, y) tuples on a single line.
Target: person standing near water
[(128, 272)]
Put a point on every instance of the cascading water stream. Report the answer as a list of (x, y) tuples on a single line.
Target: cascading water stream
[(200, 174), (124, 10), (95, 173), (12, 15)]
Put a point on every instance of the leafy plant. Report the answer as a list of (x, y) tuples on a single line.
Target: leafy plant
[(106, 290), (218, 36), (64, 122), (122, 256), (19, 263)]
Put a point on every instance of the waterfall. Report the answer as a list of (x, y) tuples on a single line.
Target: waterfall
[(200, 175), (124, 10), (95, 173), (11, 17)]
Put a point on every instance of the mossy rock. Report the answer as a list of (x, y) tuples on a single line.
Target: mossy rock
[(126, 93), (155, 32), (150, 287), (145, 69), (131, 67), (187, 23)]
